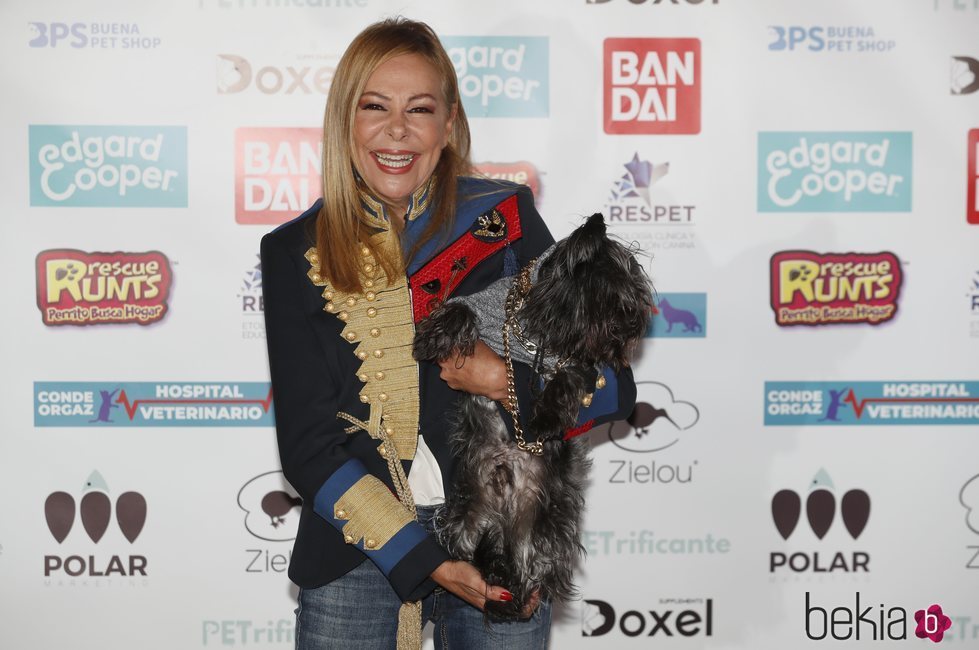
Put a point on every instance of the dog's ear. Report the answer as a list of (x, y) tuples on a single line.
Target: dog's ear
[(587, 240)]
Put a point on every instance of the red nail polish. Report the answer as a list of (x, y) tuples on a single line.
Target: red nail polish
[(506, 595)]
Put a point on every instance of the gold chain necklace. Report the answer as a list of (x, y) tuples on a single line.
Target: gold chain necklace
[(514, 301)]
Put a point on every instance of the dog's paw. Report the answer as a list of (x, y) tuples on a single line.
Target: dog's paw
[(451, 327)]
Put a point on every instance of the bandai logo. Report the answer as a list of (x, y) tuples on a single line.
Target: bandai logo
[(79, 288), (277, 173), (652, 85)]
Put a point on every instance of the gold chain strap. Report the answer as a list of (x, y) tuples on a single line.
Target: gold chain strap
[(514, 301)]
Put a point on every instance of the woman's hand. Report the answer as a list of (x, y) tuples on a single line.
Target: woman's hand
[(483, 373), (465, 581)]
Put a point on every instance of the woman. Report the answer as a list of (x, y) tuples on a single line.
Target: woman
[(360, 425)]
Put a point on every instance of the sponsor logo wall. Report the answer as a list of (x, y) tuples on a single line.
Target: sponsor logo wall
[(800, 464)]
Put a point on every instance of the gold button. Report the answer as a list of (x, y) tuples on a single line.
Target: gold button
[(350, 336), (328, 295), (363, 377), (389, 431), (368, 268), (586, 400), (370, 295), (314, 258), (341, 514), (378, 353), (365, 251), (351, 301), (362, 355), (379, 375), (370, 543), (382, 450), (330, 307), (317, 277), (348, 539), (383, 397), (343, 315), (371, 312), (375, 332), (368, 283), (365, 399), (600, 383)]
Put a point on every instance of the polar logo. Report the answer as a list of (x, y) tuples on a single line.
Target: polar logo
[(108, 166), (501, 76), (656, 421), (271, 507)]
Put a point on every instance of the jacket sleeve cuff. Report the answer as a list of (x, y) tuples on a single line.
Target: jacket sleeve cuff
[(410, 577)]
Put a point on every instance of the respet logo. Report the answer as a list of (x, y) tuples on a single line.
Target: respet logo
[(652, 85), (79, 288), (108, 166), (810, 171), (277, 173), (502, 76)]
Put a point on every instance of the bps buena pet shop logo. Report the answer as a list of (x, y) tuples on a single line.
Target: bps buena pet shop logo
[(679, 316), (108, 166), (809, 288), (79, 288), (834, 171), (652, 86), (277, 173), (502, 76)]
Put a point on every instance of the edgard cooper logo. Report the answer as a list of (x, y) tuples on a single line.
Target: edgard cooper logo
[(834, 171), (811, 288), (652, 85), (679, 316), (820, 38), (79, 288), (829, 403), (95, 511), (502, 76), (152, 404), (108, 166), (277, 173)]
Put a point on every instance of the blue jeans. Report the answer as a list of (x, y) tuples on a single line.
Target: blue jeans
[(359, 611)]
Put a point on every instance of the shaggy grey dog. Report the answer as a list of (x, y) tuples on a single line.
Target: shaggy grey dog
[(517, 504)]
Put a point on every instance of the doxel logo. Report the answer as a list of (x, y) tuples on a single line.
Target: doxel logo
[(271, 509), (502, 76), (236, 74), (685, 617), (820, 512), (652, 86), (521, 172), (152, 404), (656, 423), (972, 179), (842, 623), (813, 171), (108, 166), (679, 316), (819, 38), (277, 173), (809, 288), (95, 512), (965, 75), (95, 36), (79, 288), (801, 403)]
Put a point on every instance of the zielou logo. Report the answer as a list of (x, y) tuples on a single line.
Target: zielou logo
[(108, 166), (810, 171), (501, 76)]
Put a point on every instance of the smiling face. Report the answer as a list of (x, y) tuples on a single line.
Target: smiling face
[(401, 125)]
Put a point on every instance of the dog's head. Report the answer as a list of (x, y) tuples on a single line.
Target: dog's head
[(591, 301)]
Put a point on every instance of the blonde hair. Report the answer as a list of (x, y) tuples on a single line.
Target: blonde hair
[(340, 224)]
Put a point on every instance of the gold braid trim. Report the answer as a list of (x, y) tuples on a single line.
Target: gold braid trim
[(371, 514)]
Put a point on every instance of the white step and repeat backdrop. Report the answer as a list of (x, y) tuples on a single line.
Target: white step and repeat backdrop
[(803, 466)]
